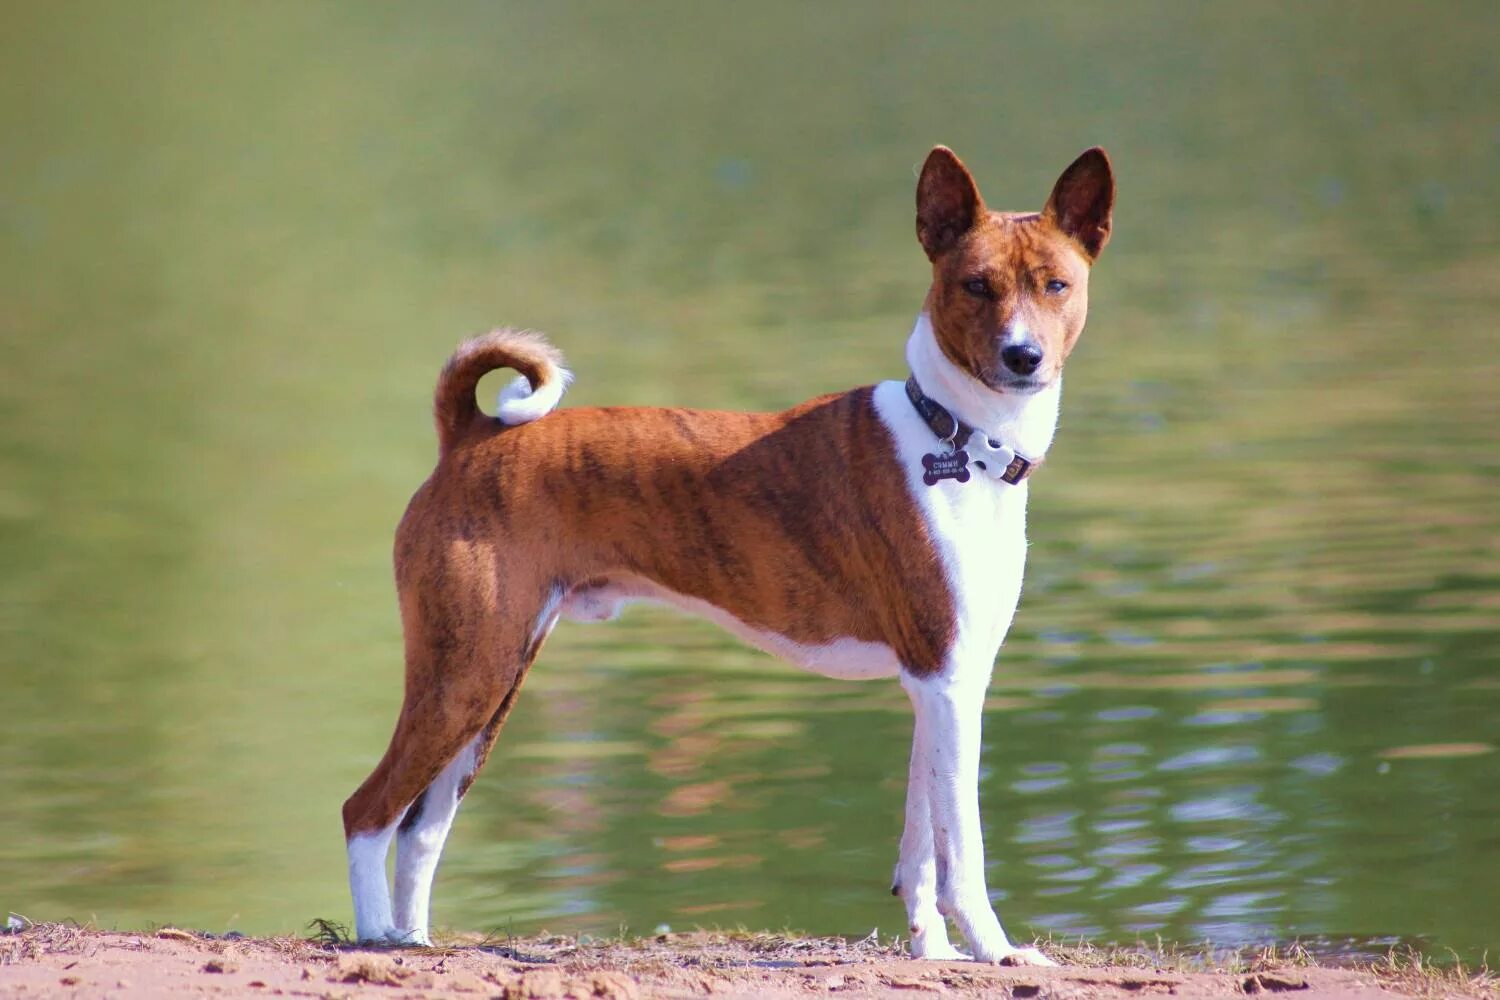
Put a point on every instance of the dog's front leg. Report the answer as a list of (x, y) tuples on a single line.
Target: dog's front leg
[(916, 878), (949, 709)]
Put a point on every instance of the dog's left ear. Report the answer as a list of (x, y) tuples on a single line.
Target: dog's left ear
[(1083, 201)]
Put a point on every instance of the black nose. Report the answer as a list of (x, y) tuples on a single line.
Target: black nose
[(1021, 358)]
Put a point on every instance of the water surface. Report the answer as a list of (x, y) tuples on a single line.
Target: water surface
[(1250, 694)]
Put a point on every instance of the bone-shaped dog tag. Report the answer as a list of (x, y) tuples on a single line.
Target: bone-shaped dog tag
[(996, 458), (954, 465)]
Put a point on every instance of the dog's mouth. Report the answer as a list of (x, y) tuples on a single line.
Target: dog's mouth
[(1020, 385)]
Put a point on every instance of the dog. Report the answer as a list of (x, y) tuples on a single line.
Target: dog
[(874, 533)]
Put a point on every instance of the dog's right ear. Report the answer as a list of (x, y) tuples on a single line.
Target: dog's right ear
[(948, 202)]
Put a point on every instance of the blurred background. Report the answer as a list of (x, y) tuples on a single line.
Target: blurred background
[(1250, 694)]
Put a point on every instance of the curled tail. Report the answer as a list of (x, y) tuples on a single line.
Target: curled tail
[(534, 394)]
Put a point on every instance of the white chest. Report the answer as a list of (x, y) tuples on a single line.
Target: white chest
[(978, 527)]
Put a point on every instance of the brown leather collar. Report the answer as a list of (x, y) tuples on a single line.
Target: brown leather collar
[(955, 433)]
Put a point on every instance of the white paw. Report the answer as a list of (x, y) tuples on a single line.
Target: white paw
[(378, 938), (393, 938), (1001, 952), (1024, 956), (929, 941), (408, 939), (940, 951)]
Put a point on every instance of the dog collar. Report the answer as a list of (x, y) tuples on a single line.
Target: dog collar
[(993, 458)]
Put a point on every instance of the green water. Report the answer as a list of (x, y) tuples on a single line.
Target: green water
[(237, 241)]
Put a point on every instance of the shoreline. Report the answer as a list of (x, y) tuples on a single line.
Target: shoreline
[(57, 960)]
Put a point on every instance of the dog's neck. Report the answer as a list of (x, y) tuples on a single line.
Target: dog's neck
[(1025, 423)]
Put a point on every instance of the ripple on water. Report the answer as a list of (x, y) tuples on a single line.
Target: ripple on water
[(1227, 872), (1114, 770), (1109, 826), (1050, 828), (1130, 876), (1207, 757), (1127, 847), (1318, 764), (1243, 904), (1127, 713), (1067, 924), (1082, 873), (1238, 804), (1212, 845), (1159, 908)]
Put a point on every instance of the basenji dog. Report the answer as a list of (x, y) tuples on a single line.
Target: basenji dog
[(874, 533)]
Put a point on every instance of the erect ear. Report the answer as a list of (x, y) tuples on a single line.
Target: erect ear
[(1083, 200), (948, 203)]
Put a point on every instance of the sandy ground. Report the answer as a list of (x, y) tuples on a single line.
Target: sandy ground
[(57, 960)]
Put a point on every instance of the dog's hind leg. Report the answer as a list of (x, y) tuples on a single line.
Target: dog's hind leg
[(464, 667), (367, 850), (429, 741), (424, 829), (419, 842)]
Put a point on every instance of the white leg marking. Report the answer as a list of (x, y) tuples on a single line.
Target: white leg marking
[(916, 870), (949, 710), (368, 886), (419, 845)]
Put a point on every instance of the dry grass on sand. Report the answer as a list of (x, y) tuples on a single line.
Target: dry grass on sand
[(51, 960)]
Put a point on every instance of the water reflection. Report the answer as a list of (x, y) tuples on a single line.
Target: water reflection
[(1184, 813)]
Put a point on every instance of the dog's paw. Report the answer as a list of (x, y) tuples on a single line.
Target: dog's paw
[(408, 939), (999, 951), (1026, 956), (938, 952), (929, 941), (392, 937), (372, 934)]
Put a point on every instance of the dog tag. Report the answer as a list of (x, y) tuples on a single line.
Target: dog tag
[(954, 465)]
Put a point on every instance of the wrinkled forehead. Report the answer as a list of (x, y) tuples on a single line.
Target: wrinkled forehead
[(1016, 243)]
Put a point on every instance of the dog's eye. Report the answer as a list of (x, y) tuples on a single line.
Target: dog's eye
[(1056, 287), (977, 287)]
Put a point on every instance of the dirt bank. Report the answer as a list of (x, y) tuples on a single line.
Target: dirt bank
[(59, 960)]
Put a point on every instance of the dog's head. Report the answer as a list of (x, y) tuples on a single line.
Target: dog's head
[(1010, 290)]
